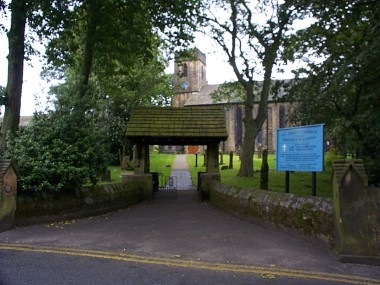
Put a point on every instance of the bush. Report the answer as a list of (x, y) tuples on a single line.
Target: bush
[(59, 151)]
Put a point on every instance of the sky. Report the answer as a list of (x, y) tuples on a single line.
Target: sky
[(32, 85), (35, 88)]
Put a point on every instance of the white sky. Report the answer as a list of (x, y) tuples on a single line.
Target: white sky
[(35, 89), (33, 85)]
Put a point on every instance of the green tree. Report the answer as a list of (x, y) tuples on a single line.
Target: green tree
[(122, 68), (114, 96), (79, 31), (252, 35), (58, 152), (340, 85), (99, 37), (22, 12)]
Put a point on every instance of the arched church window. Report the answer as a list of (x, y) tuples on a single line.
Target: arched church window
[(185, 70), (239, 127), (260, 138), (282, 119)]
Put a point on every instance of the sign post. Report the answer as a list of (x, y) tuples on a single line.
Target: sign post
[(300, 149)]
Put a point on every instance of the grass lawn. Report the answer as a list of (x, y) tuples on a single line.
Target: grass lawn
[(300, 182), (159, 162)]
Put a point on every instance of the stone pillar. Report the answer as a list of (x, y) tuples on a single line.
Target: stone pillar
[(212, 171), (141, 183), (205, 181), (212, 162), (8, 194), (356, 224)]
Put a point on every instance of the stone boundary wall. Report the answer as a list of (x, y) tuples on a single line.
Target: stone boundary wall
[(93, 200), (312, 216)]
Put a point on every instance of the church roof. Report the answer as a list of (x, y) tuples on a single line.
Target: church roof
[(177, 126), (204, 96), (24, 120)]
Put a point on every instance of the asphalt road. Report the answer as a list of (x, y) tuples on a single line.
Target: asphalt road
[(181, 241), (35, 268)]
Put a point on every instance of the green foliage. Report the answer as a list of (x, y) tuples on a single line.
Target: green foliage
[(112, 97), (58, 152), (341, 86), (2, 11), (3, 97), (230, 92), (109, 34)]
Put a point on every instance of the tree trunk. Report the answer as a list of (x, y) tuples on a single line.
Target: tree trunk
[(248, 146), (16, 39), (252, 127), (89, 45)]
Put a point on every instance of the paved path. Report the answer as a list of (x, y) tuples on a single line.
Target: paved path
[(180, 170)]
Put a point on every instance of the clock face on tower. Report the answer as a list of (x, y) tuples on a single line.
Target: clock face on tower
[(184, 85)]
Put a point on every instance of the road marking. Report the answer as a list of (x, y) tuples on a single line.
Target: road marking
[(259, 270)]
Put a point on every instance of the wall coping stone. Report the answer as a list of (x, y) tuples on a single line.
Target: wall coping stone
[(309, 215)]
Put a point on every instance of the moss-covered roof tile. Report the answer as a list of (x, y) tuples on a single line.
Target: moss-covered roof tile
[(192, 123)]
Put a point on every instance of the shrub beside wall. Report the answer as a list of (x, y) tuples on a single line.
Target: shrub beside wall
[(94, 200), (309, 215)]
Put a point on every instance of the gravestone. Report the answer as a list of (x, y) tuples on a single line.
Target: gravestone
[(259, 151), (357, 213)]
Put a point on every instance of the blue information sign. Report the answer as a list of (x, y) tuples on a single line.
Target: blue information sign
[(300, 148)]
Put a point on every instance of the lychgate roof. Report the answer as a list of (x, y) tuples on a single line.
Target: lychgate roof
[(178, 126)]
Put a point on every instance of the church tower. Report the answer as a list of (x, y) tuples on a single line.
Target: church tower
[(189, 75)]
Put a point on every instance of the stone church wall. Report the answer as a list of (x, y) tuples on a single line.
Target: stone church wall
[(277, 117), (190, 77)]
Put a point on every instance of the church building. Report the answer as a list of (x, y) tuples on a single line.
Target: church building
[(192, 89)]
